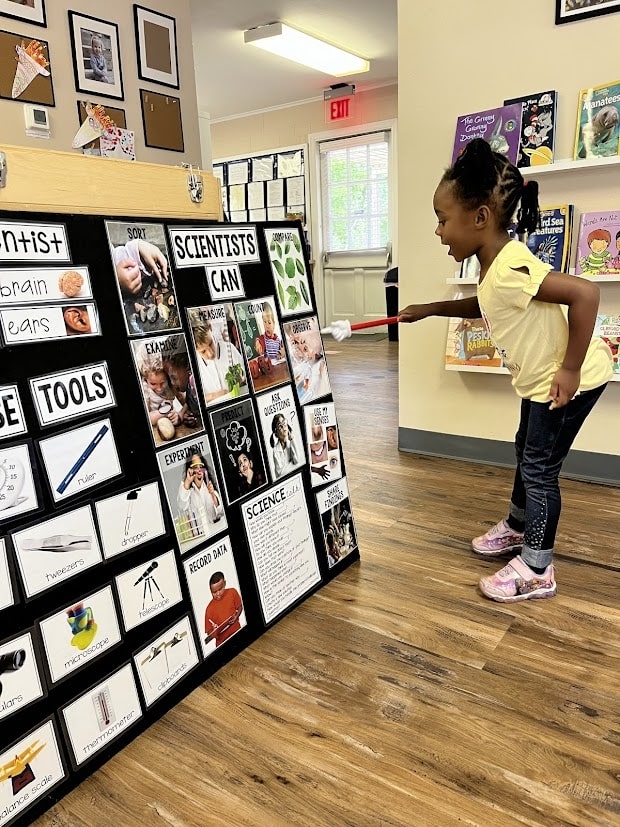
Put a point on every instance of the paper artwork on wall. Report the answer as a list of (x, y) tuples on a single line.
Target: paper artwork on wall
[(166, 660), (101, 715), (50, 552), (130, 519)]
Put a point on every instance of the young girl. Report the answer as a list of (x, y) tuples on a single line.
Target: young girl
[(557, 368)]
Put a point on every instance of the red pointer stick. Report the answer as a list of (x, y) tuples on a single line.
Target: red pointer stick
[(374, 323)]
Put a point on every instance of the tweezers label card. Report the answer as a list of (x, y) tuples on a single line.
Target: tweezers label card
[(79, 459), (50, 552)]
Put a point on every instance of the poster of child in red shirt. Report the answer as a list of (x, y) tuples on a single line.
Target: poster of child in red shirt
[(215, 594)]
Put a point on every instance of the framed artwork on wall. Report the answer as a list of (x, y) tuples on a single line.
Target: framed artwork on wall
[(567, 10), (156, 47), (31, 10), (96, 56), (161, 117), (25, 70)]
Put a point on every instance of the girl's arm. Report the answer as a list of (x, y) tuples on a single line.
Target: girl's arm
[(582, 298), (464, 308)]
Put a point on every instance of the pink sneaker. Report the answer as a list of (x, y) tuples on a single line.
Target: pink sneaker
[(516, 581), (497, 540)]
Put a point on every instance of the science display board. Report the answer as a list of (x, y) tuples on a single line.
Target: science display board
[(171, 474)]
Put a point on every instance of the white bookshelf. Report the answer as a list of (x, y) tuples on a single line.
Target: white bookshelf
[(568, 165)]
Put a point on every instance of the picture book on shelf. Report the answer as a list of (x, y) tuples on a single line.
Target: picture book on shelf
[(500, 127), (598, 122), (598, 245), (551, 242), (468, 344), (608, 328), (537, 140)]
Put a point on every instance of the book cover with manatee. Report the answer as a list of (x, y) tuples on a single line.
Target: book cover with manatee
[(290, 269)]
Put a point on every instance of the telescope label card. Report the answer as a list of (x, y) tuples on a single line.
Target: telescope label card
[(29, 769), (79, 459), (50, 552), (166, 660), (12, 422), (6, 585), (281, 545), (99, 716), (79, 633), (130, 519), (24, 286), (18, 493), (21, 325), (20, 682), (72, 393), (148, 590), (215, 594)]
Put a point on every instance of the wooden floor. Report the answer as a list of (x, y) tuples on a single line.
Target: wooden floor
[(397, 695)]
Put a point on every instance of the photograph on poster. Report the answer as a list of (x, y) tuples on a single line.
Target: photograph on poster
[(79, 633), (31, 10), (279, 422), (25, 242), (130, 519), (96, 56), (29, 769), (101, 714), (148, 589), (18, 493), (142, 269), (12, 422), (168, 387), (51, 552), (279, 534), (72, 393), (7, 596), (323, 441), (166, 660), (289, 270), (215, 594), (307, 355), (337, 520), (261, 340), (193, 492), (79, 459), (20, 681), (47, 322), (239, 450), (41, 285), (217, 347)]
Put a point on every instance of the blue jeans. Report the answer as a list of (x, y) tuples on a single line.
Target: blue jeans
[(542, 442)]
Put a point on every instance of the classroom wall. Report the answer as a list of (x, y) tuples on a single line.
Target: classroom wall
[(64, 117), (471, 57), (291, 125)]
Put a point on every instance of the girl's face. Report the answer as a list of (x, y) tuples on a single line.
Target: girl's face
[(456, 225), (245, 465), (157, 382), (269, 323)]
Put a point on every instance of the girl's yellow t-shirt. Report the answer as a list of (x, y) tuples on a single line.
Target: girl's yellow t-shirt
[(530, 335)]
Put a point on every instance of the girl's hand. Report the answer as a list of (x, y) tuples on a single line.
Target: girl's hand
[(413, 313), (564, 386)]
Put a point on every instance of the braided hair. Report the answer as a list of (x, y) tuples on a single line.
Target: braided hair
[(481, 176)]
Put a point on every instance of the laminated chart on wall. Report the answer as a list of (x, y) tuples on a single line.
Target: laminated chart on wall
[(169, 486)]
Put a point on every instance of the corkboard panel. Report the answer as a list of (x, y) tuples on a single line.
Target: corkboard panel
[(161, 117)]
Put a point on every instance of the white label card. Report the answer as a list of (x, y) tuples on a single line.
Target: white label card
[(79, 633), (166, 660), (79, 459), (38, 323), (31, 768), (224, 281), (72, 393), (33, 242), (130, 519), (12, 422), (6, 586), (25, 286), (102, 714), (195, 246), (19, 673), (148, 590), (18, 494)]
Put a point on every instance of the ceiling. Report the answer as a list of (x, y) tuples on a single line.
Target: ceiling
[(234, 78)]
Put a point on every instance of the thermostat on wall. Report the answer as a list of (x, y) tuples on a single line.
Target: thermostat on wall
[(37, 120)]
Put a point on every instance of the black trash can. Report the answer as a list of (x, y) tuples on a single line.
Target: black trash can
[(391, 300)]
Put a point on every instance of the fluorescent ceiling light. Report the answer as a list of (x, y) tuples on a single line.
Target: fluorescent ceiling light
[(286, 42)]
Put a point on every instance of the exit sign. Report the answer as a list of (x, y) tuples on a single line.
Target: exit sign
[(339, 109)]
